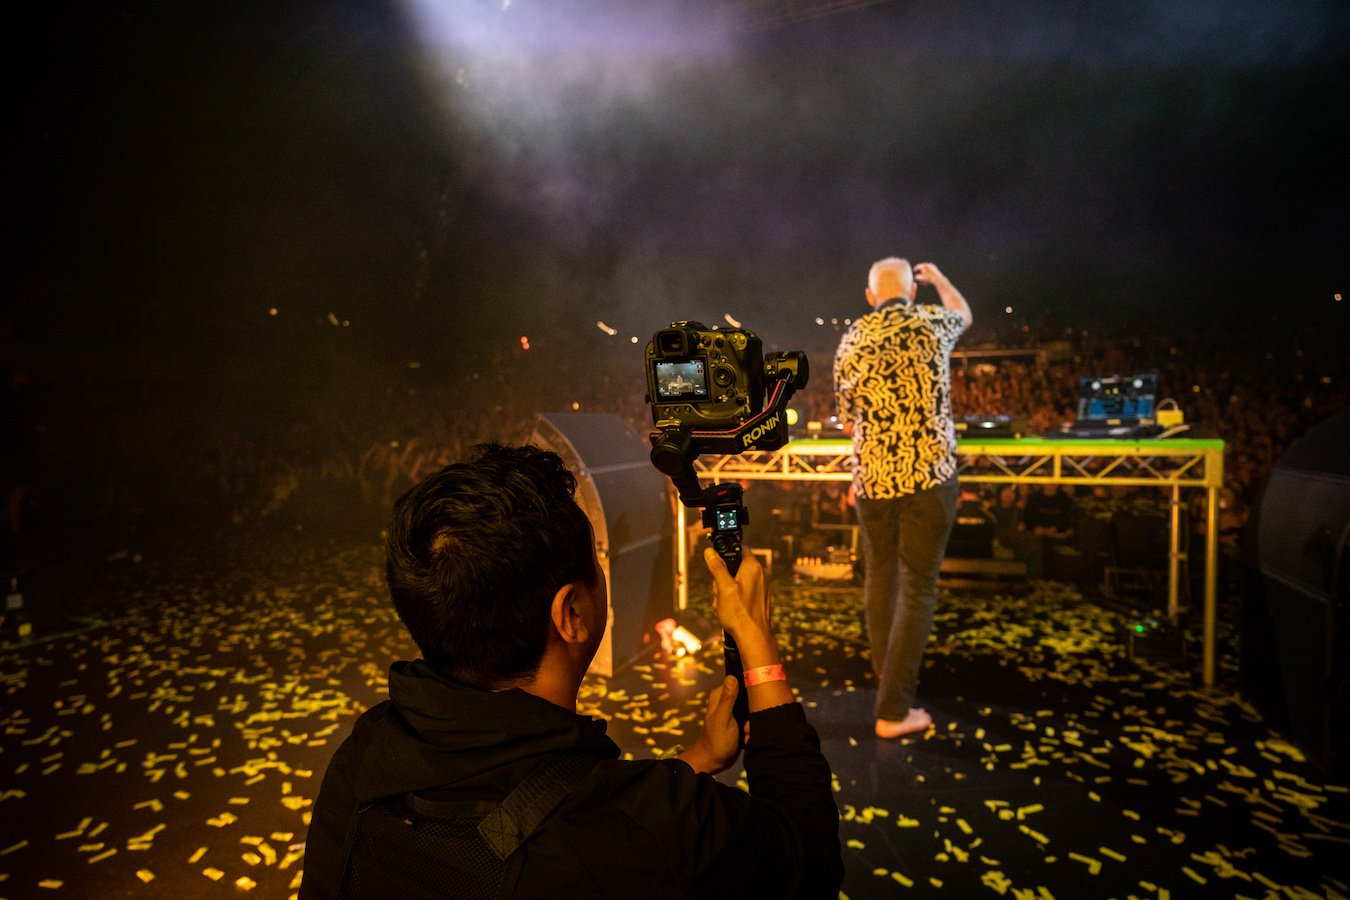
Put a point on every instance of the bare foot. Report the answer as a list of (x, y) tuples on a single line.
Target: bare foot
[(917, 720)]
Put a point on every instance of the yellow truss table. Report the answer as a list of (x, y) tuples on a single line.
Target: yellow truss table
[(1175, 464)]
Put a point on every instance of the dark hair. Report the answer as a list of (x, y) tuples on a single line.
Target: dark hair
[(475, 555)]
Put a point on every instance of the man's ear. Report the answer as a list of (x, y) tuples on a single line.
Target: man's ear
[(871, 297), (569, 618)]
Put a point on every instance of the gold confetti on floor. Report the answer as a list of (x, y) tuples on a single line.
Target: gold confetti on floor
[(195, 727)]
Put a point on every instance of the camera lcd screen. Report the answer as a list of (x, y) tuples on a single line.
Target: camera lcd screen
[(728, 519), (682, 380)]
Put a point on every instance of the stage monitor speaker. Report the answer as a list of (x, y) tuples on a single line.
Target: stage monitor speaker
[(627, 501), (1294, 655)]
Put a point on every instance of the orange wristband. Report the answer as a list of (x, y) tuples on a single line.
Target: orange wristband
[(763, 674)]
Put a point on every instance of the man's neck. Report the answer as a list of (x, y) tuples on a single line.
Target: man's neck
[(558, 695), (555, 681)]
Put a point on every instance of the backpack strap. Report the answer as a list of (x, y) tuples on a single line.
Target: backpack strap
[(534, 799)]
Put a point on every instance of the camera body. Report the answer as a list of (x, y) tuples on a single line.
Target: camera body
[(704, 379), (713, 383)]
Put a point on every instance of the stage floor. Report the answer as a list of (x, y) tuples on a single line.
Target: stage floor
[(176, 750)]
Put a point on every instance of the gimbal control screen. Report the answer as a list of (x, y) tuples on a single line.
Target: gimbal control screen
[(682, 380), (727, 520)]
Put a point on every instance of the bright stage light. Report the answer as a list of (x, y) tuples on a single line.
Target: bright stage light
[(676, 640), (534, 83)]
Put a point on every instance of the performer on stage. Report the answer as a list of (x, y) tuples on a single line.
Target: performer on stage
[(893, 380)]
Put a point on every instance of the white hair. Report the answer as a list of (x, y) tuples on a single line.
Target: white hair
[(891, 277)]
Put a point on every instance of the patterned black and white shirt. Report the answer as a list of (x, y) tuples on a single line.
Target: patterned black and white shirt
[(892, 376)]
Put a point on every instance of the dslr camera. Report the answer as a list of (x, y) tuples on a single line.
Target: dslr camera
[(713, 382)]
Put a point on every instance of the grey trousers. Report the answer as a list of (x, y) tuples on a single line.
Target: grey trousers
[(904, 539)]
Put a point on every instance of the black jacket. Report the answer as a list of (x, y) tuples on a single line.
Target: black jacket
[(648, 828)]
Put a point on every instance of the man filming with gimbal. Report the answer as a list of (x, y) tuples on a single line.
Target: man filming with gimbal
[(477, 777)]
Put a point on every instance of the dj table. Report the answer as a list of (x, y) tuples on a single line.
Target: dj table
[(1173, 464)]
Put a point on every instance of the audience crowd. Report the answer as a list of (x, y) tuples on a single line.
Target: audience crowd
[(366, 432)]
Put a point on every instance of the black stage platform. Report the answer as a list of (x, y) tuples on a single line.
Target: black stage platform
[(177, 750)]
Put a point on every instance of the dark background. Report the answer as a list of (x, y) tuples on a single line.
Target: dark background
[(183, 168), (427, 182)]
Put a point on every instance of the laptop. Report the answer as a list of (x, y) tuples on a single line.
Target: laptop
[(1120, 407)]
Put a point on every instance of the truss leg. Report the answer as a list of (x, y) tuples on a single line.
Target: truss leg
[(1211, 579), (1173, 558), (681, 558)]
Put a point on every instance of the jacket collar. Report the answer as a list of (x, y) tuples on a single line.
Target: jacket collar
[(894, 301), (439, 733)]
